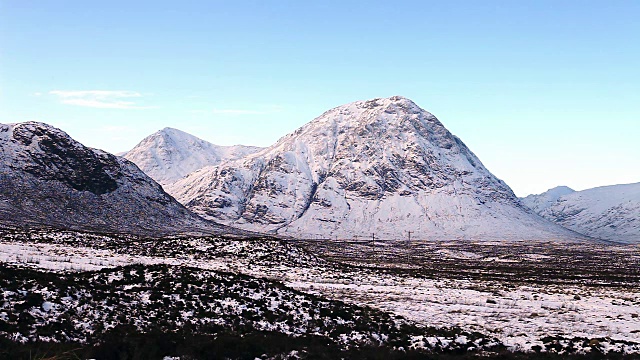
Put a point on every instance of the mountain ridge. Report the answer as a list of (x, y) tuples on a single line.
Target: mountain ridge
[(49, 179), (170, 154), (607, 212), (537, 202)]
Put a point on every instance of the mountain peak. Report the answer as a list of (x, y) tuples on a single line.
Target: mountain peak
[(391, 105), (561, 188), (173, 131), (169, 154), (539, 202), (50, 179), (378, 126), (169, 134), (34, 124), (29, 131), (382, 166), (383, 102)]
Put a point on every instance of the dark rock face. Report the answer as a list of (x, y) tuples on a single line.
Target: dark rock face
[(49, 179), (59, 158)]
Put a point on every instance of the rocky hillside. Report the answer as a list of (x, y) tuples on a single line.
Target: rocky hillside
[(383, 167), (608, 212), (49, 179), (170, 154)]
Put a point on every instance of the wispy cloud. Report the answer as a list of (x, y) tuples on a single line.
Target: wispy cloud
[(103, 99)]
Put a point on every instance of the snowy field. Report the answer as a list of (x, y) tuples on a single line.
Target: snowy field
[(497, 294)]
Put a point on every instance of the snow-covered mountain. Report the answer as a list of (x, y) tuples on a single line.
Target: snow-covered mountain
[(546, 199), (608, 212), (170, 154), (383, 167), (47, 178)]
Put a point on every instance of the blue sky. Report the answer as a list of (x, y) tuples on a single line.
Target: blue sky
[(546, 93)]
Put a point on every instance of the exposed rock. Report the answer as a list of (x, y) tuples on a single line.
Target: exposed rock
[(49, 179)]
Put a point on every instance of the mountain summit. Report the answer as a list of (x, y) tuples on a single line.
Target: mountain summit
[(542, 201), (170, 154), (382, 166), (47, 178)]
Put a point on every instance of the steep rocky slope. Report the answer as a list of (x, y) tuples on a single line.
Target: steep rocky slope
[(608, 212), (383, 167), (170, 154), (49, 179)]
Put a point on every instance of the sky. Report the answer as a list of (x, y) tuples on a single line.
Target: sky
[(545, 93)]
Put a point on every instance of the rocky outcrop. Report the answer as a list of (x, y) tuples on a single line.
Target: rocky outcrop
[(49, 179)]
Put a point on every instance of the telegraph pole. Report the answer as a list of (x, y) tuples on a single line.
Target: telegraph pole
[(409, 248), (373, 242)]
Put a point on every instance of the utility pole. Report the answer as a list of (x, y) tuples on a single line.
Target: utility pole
[(409, 248), (373, 243)]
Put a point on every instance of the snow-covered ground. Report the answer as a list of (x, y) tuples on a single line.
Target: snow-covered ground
[(522, 315)]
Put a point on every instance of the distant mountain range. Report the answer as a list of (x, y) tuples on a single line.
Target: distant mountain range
[(382, 168), (49, 179), (608, 212)]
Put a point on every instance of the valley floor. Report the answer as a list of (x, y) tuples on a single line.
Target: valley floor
[(519, 292), (528, 297)]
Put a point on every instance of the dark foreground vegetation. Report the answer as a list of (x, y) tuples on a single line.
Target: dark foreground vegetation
[(121, 344), (149, 312), (142, 311)]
